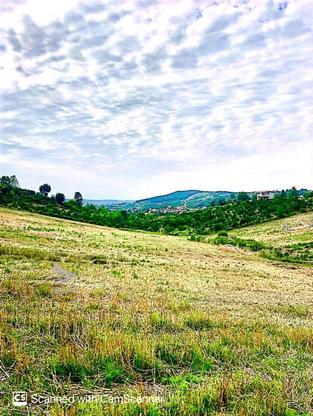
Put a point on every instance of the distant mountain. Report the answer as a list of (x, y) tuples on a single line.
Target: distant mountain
[(109, 203), (189, 199)]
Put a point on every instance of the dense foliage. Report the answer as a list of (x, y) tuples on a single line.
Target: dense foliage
[(234, 214)]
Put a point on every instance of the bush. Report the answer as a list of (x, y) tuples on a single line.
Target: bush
[(239, 242), (195, 237)]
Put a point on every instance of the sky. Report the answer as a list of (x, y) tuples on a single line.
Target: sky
[(130, 99)]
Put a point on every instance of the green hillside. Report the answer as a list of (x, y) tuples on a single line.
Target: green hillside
[(182, 327), (185, 199), (231, 215)]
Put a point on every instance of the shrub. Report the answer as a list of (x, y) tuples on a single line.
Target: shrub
[(44, 291)]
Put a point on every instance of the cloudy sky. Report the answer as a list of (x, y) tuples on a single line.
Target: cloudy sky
[(128, 99)]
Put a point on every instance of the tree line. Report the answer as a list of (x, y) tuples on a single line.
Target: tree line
[(9, 183), (45, 189), (235, 214)]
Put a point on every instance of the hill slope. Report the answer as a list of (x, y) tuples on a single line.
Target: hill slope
[(205, 221), (190, 199), (186, 199), (88, 308)]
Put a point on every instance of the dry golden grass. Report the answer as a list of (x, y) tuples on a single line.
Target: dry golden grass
[(296, 229), (147, 308)]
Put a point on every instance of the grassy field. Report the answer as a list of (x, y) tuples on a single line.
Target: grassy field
[(296, 229), (171, 326)]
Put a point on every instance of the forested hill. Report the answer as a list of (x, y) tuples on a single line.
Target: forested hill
[(186, 199), (232, 215), (189, 199)]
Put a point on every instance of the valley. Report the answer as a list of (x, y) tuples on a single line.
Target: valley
[(208, 329)]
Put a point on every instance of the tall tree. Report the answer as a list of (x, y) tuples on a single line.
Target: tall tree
[(78, 198), (60, 198), (44, 189), (9, 181), (243, 196)]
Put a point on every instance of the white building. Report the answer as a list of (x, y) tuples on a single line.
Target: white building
[(265, 194)]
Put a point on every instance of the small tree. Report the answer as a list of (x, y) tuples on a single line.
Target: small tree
[(78, 198), (9, 181), (243, 196), (59, 198), (14, 181), (44, 189)]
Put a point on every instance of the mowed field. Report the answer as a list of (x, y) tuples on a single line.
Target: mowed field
[(152, 324)]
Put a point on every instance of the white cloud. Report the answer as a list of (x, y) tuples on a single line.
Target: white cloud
[(155, 96)]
